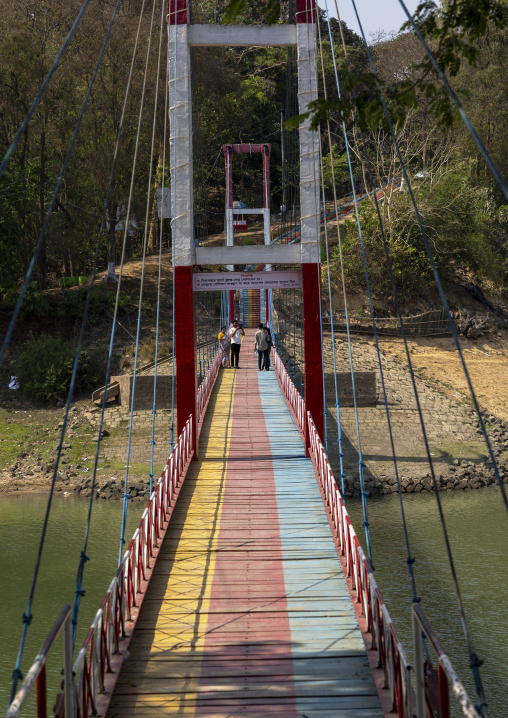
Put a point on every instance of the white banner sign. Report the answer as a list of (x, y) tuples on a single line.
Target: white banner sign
[(214, 281)]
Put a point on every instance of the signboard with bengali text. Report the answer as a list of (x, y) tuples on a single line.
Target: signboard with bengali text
[(217, 281)]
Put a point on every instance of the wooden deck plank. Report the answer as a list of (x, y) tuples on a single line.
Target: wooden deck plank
[(247, 613)]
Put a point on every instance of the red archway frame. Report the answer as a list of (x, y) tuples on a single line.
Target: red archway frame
[(185, 343), (238, 149)]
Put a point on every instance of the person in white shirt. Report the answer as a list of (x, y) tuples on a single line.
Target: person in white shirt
[(235, 333)]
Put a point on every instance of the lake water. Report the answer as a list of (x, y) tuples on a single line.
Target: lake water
[(477, 524), (21, 520), (478, 528)]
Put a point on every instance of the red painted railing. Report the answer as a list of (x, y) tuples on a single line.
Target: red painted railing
[(390, 655), (291, 393), (206, 386), (37, 673), (98, 662), (105, 648), (433, 684)]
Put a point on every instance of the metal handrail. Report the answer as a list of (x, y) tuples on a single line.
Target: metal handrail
[(446, 673), (291, 393), (105, 648), (206, 386), (37, 673), (391, 656)]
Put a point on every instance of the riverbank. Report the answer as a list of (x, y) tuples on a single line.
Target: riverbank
[(29, 440), (460, 475), (32, 471), (29, 436), (457, 446)]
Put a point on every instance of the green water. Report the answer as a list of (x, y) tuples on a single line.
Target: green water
[(478, 529), (21, 520)]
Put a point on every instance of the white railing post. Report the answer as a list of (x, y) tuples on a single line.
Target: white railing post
[(419, 676), (68, 675)]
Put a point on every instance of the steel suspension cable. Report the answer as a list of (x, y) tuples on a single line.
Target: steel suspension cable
[(475, 662), (159, 275), (410, 560), (337, 406), (485, 153), (173, 227), (27, 616), (84, 558), (325, 417), (312, 63), (361, 464), (435, 272), (145, 241)]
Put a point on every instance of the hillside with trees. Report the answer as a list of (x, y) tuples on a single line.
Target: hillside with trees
[(239, 96)]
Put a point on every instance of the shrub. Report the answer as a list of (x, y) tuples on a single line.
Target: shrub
[(34, 304), (459, 225), (43, 367), (147, 351), (65, 282), (102, 303)]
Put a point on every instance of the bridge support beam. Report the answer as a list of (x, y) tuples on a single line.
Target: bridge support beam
[(310, 232), (313, 350), (180, 154), (185, 351)]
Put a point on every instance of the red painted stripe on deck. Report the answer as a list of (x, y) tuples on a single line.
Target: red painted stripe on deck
[(247, 578)]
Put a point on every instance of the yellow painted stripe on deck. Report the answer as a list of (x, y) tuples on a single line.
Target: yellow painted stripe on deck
[(172, 626)]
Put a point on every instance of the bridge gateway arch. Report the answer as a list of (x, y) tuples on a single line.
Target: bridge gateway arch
[(183, 36)]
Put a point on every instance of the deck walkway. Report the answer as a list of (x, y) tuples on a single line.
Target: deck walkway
[(248, 612)]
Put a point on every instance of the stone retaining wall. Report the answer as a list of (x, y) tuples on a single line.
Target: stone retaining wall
[(459, 475)]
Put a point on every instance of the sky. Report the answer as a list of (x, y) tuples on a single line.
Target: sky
[(374, 14)]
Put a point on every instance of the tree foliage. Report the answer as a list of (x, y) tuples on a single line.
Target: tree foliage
[(44, 364), (34, 31), (239, 95)]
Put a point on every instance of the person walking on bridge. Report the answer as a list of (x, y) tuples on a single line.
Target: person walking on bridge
[(224, 345), (236, 333), (262, 348), (269, 349)]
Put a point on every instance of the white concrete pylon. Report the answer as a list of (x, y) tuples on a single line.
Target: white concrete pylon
[(181, 36), (180, 119), (309, 145)]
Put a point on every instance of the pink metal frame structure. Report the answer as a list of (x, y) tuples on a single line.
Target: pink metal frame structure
[(238, 149)]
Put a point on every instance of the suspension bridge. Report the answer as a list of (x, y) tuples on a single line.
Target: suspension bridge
[(245, 590)]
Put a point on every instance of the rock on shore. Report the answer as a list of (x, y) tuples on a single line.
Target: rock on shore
[(113, 489)]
